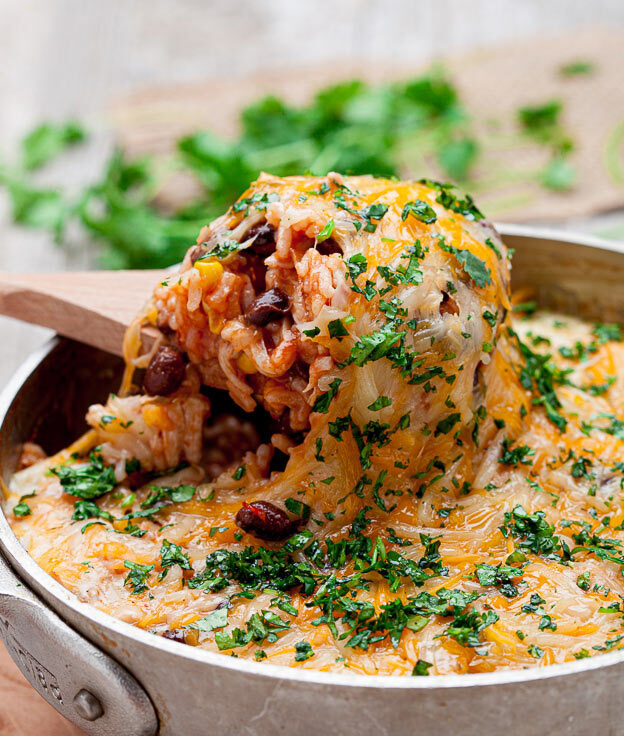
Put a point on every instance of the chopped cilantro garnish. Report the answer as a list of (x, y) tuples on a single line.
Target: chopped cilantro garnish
[(381, 402), (85, 509), (323, 401), (239, 472), (259, 200), (326, 232), (137, 577), (535, 534), (90, 480), (217, 619), (171, 554), (421, 668), (374, 345), (607, 332), (222, 250), (304, 651), (539, 375), (535, 651), (420, 210), (298, 507), (446, 425), (490, 318), (451, 201), (515, 456), (261, 627), (490, 244), (501, 576), (22, 508), (337, 329), (473, 266)]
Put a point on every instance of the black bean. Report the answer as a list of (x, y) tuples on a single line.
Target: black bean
[(265, 238), (165, 372), (178, 635), (270, 306), (138, 478), (265, 521), (327, 247)]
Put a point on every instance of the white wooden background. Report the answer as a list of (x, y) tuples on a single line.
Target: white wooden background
[(71, 57)]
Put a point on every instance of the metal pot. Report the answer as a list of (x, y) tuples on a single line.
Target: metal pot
[(111, 678)]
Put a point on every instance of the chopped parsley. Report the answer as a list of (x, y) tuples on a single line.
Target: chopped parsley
[(535, 534), (421, 668), (323, 401), (216, 619), (451, 201), (326, 232), (137, 577), (261, 627), (337, 329), (381, 402), (419, 210), (501, 576), (515, 456), (539, 375), (87, 481), (171, 554), (304, 651), (239, 472), (22, 508), (473, 266)]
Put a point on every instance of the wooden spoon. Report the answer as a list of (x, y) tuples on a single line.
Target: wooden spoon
[(94, 307)]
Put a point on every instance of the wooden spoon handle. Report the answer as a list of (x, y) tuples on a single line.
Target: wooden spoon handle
[(94, 307)]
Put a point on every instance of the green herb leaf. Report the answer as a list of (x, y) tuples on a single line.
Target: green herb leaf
[(217, 619), (304, 651), (420, 210), (88, 480), (323, 401), (326, 232), (137, 577), (21, 509), (47, 140), (421, 668), (381, 402), (473, 266)]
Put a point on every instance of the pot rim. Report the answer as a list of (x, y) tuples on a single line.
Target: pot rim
[(28, 569)]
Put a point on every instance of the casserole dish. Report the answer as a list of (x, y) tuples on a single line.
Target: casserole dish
[(110, 678)]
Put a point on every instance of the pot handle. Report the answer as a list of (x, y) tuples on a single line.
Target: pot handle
[(83, 683)]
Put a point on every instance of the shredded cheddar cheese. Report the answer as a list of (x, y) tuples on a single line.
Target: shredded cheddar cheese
[(434, 482)]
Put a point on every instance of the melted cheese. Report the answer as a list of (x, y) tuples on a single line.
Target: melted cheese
[(427, 467)]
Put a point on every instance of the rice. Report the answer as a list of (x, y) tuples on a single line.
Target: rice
[(393, 408)]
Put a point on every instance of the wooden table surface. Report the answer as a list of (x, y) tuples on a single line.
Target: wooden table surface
[(23, 712), (71, 57)]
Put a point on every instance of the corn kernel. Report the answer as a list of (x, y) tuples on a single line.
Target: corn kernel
[(191, 637), (211, 272), (215, 321), (245, 363), (156, 416), (152, 316)]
